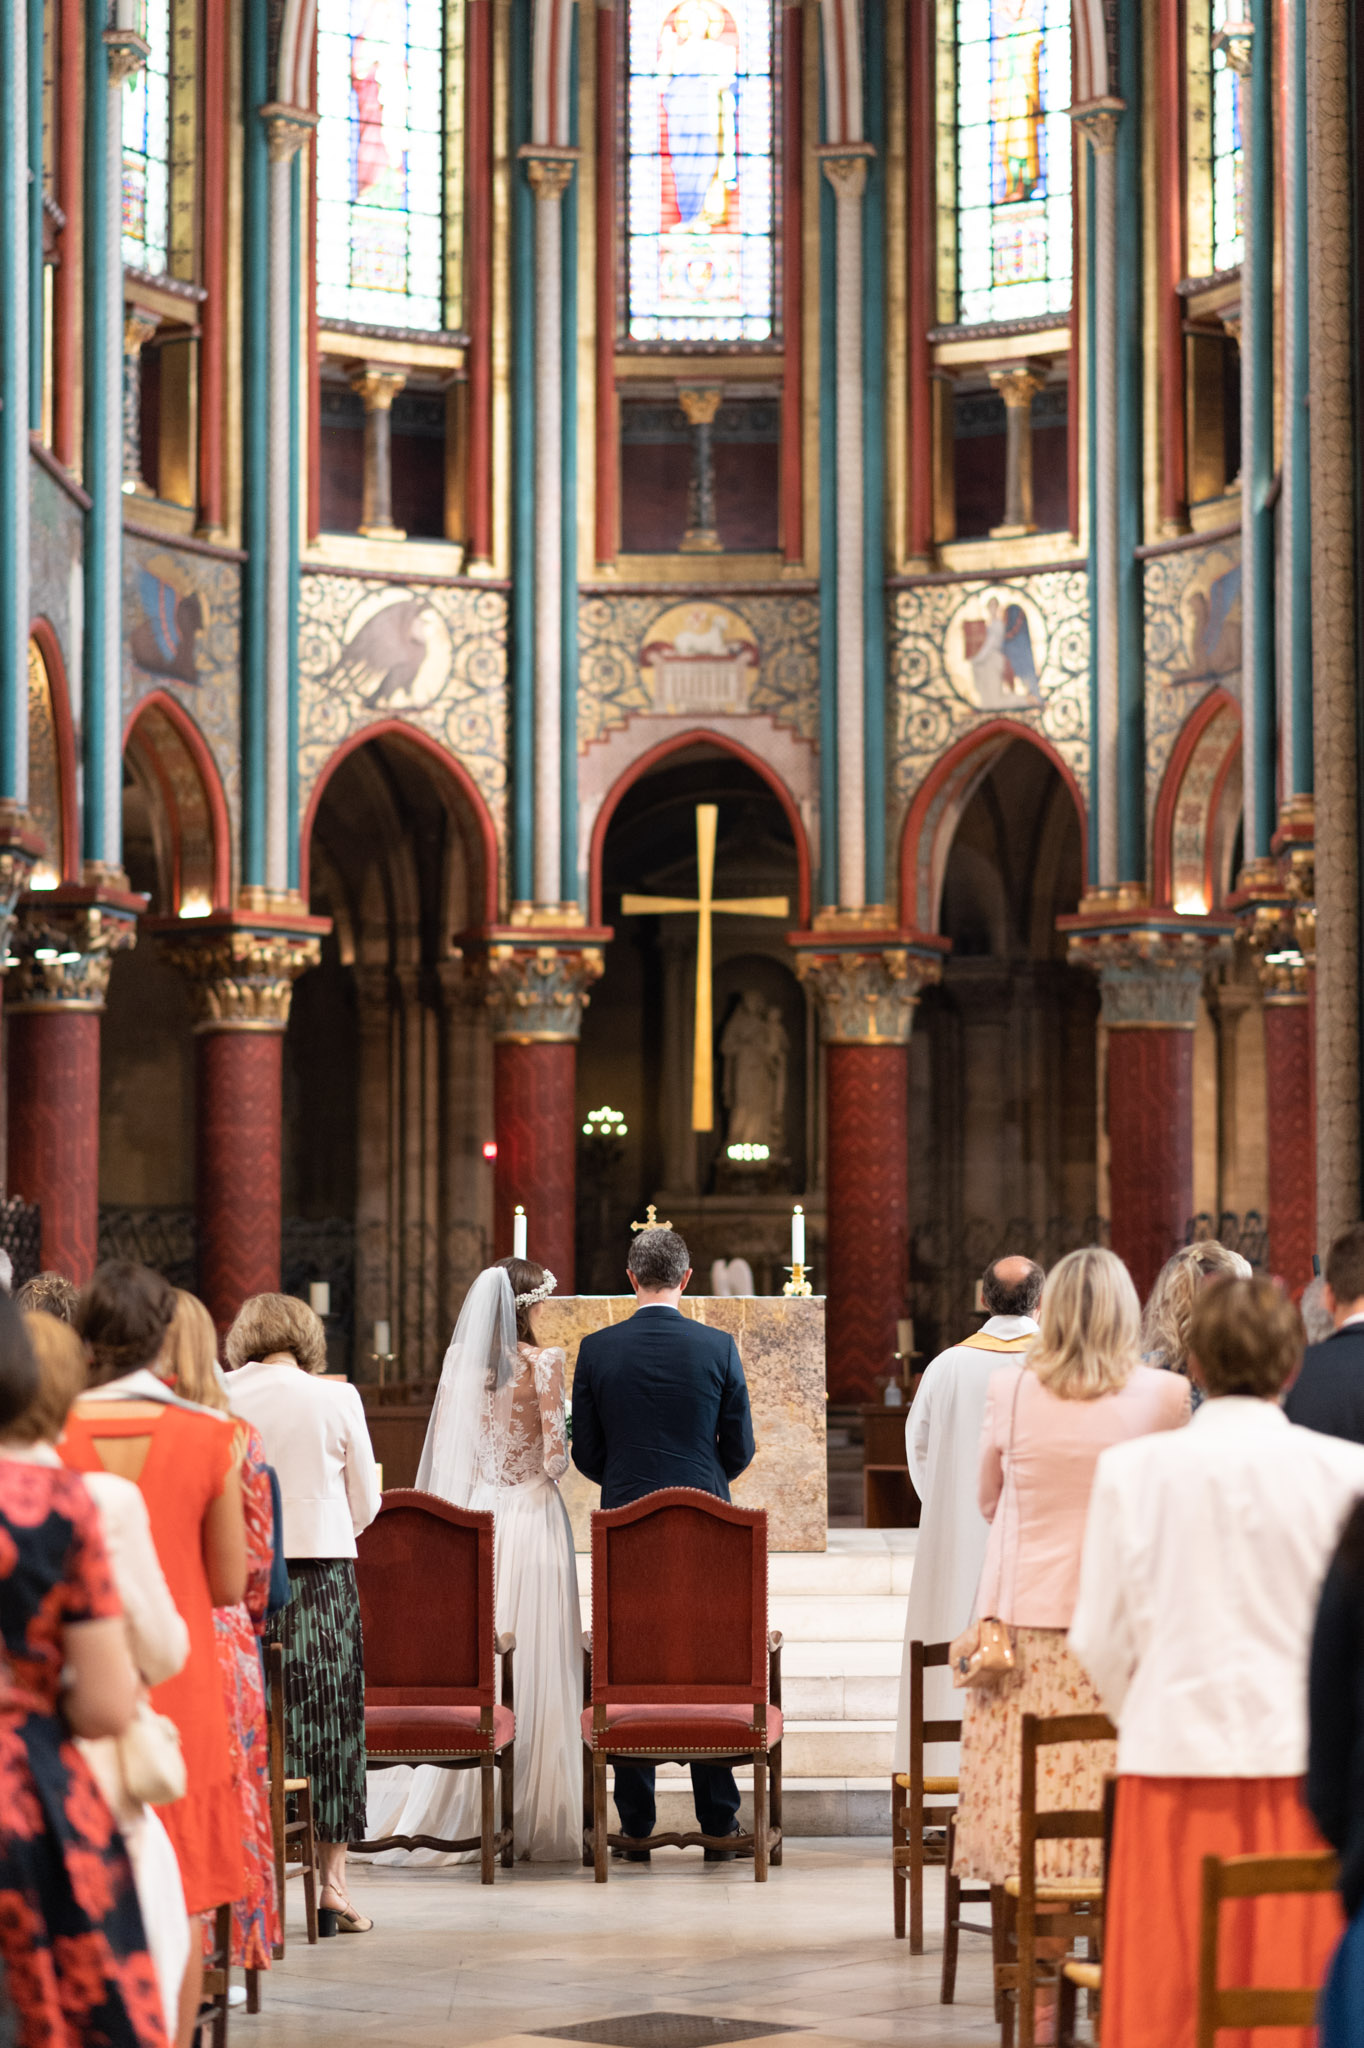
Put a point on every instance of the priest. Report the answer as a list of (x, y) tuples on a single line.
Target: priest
[(942, 1437)]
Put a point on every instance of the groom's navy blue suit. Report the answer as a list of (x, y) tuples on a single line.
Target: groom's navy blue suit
[(661, 1401)]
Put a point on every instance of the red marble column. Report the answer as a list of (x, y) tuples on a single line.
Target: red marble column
[(239, 1099), (536, 1129), (1150, 1135), (54, 1129), (868, 1212), (1291, 1096)]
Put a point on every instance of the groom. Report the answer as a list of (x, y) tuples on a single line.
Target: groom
[(661, 1401)]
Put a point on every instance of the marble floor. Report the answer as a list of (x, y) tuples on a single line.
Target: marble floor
[(452, 1964)]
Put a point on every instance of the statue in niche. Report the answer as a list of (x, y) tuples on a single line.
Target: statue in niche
[(753, 1048)]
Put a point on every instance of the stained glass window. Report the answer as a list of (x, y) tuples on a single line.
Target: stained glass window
[(380, 151), (146, 148), (700, 171), (1013, 159), (1228, 156)]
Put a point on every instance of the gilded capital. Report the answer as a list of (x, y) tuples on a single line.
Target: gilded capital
[(61, 954), (128, 51), (1149, 978), (377, 386), (1098, 120), (1019, 383), (868, 998), (548, 169), (539, 992), (287, 128), (239, 979), (846, 168), (699, 403)]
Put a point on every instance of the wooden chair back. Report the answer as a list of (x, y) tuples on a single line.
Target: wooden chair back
[(425, 1575), (1073, 1908), (1254, 1877), (679, 1602), (1075, 1824), (911, 1793)]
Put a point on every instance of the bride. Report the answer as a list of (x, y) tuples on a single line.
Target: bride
[(497, 1440)]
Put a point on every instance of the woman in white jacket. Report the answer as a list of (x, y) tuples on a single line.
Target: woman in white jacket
[(157, 1639)]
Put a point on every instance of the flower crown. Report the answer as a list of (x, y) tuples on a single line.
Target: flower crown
[(539, 1293)]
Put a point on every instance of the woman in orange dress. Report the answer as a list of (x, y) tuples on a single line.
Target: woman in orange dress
[(185, 1463), (191, 1358)]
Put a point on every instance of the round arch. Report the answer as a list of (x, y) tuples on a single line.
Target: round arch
[(1193, 794), (676, 744), (43, 641), (943, 796), (452, 771), (168, 744)]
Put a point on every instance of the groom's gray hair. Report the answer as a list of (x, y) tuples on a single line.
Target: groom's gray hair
[(658, 1259)]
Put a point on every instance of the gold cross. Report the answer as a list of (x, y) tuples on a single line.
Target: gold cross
[(651, 1221), (705, 905)]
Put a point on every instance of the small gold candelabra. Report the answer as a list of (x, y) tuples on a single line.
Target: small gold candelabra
[(797, 1284)]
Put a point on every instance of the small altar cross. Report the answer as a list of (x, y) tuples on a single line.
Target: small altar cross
[(706, 906), (651, 1221)]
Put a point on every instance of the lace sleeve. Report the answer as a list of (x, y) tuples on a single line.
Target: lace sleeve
[(549, 1390)]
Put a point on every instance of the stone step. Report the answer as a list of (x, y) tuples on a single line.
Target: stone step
[(810, 1806), (841, 1749), (840, 1697)]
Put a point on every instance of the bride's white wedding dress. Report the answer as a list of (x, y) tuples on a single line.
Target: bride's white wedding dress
[(520, 1451)]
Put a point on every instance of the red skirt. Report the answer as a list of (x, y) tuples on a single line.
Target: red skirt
[(1163, 1829)]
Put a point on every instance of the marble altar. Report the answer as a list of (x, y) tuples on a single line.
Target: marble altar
[(781, 1344)]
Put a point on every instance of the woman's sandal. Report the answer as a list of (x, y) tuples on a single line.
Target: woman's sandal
[(341, 1920)]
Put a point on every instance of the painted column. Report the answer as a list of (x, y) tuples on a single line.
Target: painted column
[(241, 985), (866, 1005), (1149, 981), (55, 997), (287, 128), (1291, 1100), (845, 166), (377, 388), (537, 997), (14, 404), (548, 171), (1018, 384), (1295, 508), (699, 406), (1334, 454)]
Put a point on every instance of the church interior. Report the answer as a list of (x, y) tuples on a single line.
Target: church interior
[(689, 608)]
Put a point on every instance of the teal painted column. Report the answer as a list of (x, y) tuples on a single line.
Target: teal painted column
[(36, 309), (255, 432), (14, 403), (521, 653), (102, 654), (1128, 482), (875, 747), (1092, 495), (828, 554), (1258, 686), (1296, 513), (569, 885), (295, 536)]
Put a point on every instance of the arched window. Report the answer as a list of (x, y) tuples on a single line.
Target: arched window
[(146, 149), (700, 183), (1228, 155), (1013, 158), (381, 162)]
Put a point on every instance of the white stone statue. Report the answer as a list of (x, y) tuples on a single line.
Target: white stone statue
[(754, 1047)]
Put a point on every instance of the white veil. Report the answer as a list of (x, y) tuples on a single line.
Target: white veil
[(479, 1368)]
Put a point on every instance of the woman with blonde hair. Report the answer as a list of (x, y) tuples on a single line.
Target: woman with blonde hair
[(191, 1364), (1170, 1305), (1079, 1389)]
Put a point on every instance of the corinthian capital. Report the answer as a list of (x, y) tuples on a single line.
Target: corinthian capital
[(240, 978), (62, 953), (539, 992), (1150, 976), (868, 998)]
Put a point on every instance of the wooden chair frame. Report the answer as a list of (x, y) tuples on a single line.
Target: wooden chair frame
[(214, 2007), (295, 1840), (1025, 1894), (1254, 1877), (765, 1841), (911, 1818)]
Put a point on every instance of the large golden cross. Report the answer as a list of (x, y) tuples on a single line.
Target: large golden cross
[(706, 905)]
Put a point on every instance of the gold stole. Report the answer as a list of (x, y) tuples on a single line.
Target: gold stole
[(982, 1342)]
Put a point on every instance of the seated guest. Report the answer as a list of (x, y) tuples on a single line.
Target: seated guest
[(1328, 1393), (1169, 1311), (315, 1435), (1335, 1770), (1080, 1389), (1202, 1562), (942, 1442)]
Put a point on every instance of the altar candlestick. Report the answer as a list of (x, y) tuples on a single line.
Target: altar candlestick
[(519, 1233), (320, 1297), (382, 1333), (798, 1236)]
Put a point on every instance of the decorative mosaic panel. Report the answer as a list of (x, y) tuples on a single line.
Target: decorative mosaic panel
[(434, 658), (1193, 641), (961, 653), (694, 655), (182, 634), (57, 540)]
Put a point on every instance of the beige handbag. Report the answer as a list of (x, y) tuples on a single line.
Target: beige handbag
[(150, 1758), (983, 1654)]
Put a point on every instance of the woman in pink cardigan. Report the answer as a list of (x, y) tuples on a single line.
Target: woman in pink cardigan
[(1081, 1388)]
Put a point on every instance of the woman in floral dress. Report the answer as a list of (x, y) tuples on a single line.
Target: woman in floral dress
[(191, 1354), (75, 1957)]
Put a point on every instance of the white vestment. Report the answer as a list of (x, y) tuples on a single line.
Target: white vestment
[(942, 1438)]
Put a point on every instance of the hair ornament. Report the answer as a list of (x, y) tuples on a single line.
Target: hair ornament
[(540, 1293)]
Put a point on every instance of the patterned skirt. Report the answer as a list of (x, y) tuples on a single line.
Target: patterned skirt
[(324, 1692), (1046, 1679)]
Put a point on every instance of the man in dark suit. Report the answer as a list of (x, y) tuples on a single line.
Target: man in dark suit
[(662, 1401), (1328, 1393)]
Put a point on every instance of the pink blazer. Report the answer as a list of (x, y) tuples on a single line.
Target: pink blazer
[(1037, 1459)]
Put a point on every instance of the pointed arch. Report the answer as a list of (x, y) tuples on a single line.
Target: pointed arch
[(166, 749), (1192, 797), (43, 642)]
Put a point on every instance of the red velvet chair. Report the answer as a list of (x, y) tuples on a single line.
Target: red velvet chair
[(681, 1666), (425, 1572)]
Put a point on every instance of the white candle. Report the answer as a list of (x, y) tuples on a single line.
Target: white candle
[(519, 1233), (381, 1340), (798, 1236), (320, 1297)]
